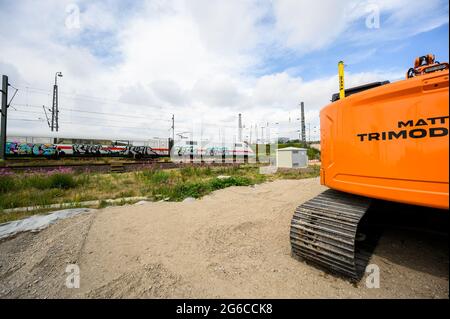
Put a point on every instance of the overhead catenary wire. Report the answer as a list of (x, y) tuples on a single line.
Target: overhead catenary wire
[(96, 99), (96, 112), (102, 100), (123, 115), (87, 124), (110, 102), (141, 121), (74, 117), (108, 115)]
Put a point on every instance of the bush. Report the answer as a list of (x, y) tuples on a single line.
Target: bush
[(196, 190), (313, 153), (64, 181), (35, 181), (58, 180), (231, 181), (182, 190)]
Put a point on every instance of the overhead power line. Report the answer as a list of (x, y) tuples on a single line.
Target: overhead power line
[(75, 117), (87, 124), (90, 98), (100, 113)]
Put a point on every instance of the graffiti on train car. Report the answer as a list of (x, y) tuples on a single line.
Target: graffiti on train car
[(87, 149), (184, 150), (208, 151), (140, 150), (216, 151), (15, 148), (41, 149)]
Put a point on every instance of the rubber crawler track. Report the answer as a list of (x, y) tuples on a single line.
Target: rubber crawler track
[(324, 230)]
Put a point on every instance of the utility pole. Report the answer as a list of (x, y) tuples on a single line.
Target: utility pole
[(303, 129), (240, 128), (309, 132), (173, 127), (3, 117), (171, 144), (55, 110), (262, 133)]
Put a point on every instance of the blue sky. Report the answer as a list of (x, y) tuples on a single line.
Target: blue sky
[(205, 61), (388, 55)]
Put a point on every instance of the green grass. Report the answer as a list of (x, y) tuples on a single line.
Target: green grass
[(6, 183), (22, 190), (154, 176), (39, 189), (40, 182), (177, 191)]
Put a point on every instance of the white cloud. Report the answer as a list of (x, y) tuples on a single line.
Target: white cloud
[(217, 91), (228, 27), (170, 92), (278, 91), (309, 25)]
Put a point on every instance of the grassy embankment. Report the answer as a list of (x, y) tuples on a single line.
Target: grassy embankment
[(21, 190)]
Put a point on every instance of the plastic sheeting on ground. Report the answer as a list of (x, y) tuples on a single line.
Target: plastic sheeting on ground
[(38, 222)]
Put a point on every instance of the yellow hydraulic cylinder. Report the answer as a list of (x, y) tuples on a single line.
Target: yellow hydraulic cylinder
[(341, 80)]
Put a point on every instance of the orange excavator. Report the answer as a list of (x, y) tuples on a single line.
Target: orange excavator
[(379, 141)]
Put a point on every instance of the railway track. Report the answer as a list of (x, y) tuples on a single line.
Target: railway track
[(113, 166)]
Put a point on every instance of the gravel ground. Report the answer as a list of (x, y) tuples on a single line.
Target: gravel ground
[(233, 243)]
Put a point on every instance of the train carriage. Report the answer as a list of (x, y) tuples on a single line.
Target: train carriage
[(61, 146)]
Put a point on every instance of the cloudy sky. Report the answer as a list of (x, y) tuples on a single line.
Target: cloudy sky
[(129, 65)]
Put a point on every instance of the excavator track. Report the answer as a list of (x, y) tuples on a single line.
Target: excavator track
[(324, 231)]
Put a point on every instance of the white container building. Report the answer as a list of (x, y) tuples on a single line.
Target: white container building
[(292, 157)]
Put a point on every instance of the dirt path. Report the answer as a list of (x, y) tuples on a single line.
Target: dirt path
[(232, 244)]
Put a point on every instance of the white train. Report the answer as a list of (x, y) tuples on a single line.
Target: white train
[(209, 151), (58, 145)]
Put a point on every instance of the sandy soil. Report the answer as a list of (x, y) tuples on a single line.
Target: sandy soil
[(231, 244)]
